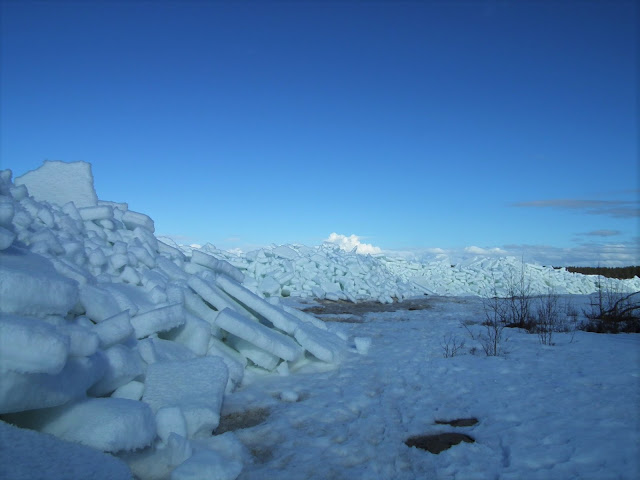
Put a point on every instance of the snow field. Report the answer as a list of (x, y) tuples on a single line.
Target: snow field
[(545, 412), (114, 340)]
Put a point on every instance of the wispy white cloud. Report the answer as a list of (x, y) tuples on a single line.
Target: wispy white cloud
[(611, 208), (350, 242), (485, 251), (602, 233)]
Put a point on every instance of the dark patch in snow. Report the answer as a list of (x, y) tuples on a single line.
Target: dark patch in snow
[(339, 307), (459, 422), (438, 442), (240, 420)]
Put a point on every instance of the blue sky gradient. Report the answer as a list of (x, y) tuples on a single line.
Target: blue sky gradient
[(410, 124)]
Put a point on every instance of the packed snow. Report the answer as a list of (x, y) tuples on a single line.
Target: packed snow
[(123, 354), (544, 412)]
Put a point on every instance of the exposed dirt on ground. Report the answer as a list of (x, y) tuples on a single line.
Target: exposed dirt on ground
[(342, 307), (247, 419)]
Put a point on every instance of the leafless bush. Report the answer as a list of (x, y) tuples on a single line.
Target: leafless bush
[(519, 300), (451, 345), (496, 313), (613, 311), (548, 318)]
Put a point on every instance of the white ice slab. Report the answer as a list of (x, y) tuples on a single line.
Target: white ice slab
[(83, 341), (44, 183), (194, 334), (170, 420), (324, 345), (30, 345), (234, 361), (257, 355), (114, 329), (212, 294), (97, 212), (195, 386), (27, 391), (207, 464), (106, 424), (219, 266), (30, 285), (27, 455), (123, 365), (278, 317), (153, 350), (193, 303), (98, 303), (132, 390), (133, 220), (259, 335), (6, 238), (158, 320)]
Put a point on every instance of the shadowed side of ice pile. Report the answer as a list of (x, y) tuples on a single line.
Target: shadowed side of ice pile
[(116, 341)]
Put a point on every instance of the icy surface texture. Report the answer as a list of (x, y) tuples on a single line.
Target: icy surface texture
[(110, 338), (327, 272)]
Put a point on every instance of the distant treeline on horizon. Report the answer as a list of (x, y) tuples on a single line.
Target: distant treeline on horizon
[(608, 272)]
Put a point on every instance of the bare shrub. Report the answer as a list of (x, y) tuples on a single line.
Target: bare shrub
[(548, 317), (613, 311), (519, 299), (572, 320), (451, 345), (496, 313)]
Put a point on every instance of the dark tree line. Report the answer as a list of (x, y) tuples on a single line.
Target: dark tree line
[(608, 272)]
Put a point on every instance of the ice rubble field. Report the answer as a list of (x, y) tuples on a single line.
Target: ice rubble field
[(326, 272), (113, 341)]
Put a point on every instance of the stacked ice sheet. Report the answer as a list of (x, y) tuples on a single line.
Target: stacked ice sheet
[(116, 341), (328, 272), (323, 272)]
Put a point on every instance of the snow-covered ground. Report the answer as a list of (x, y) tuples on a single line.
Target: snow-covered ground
[(120, 354), (544, 412)]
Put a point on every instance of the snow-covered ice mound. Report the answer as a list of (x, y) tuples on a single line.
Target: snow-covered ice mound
[(326, 271), (114, 340), (321, 272)]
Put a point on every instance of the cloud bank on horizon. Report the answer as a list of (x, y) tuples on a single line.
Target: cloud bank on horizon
[(584, 254), (352, 241)]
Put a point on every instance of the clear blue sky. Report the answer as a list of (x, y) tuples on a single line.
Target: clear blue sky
[(410, 124)]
